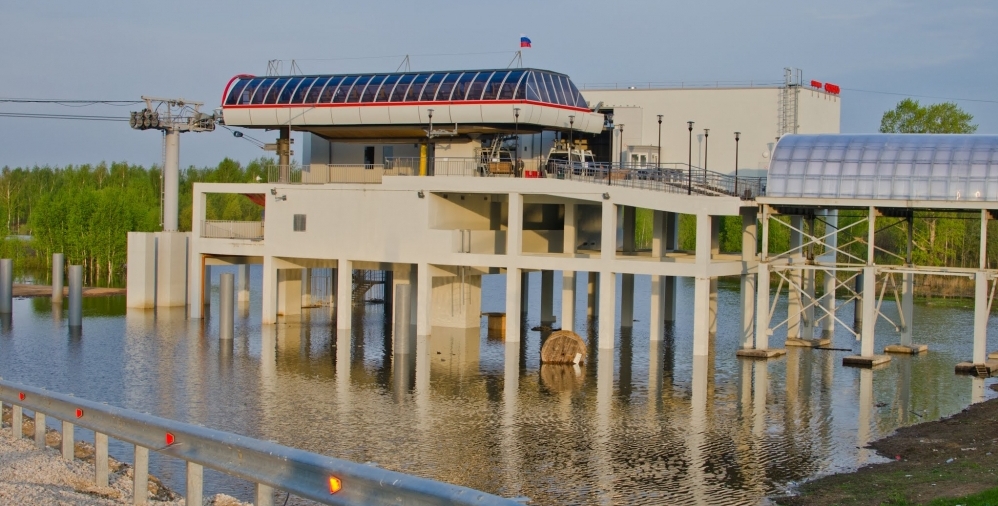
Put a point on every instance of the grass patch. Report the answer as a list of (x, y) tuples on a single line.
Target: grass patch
[(986, 498)]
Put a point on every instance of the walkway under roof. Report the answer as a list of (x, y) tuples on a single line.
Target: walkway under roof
[(944, 171), (401, 105)]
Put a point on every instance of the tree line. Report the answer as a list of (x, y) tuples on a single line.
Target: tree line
[(85, 211)]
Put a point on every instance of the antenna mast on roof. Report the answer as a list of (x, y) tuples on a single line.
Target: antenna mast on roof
[(518, 58), (405, 62)]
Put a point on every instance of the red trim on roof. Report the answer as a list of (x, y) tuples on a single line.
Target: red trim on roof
[(375, 104)]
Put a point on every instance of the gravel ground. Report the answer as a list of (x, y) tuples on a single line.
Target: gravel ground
[(42, 477)]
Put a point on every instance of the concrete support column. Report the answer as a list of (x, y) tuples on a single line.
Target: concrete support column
[(206, 287), (828, 300), (243, 283), (58, 267), (524, 294), (796, 276), (762, 308), (627, 300), (747, 291), (567, 300), (857, 318), (141, 272), (547, 298), (344, 294), (592, 289), (607, 278), (513, 287), (268, 293), (715, 249), (671, 234), (980, 317), (869, 310), (657, 310), (907, 306), (628, 225), (701, 316), (306, 287), (171, 180), (289, 292), (424, 302)]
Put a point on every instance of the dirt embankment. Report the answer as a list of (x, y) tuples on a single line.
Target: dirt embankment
[(46, 291), (954, 457)]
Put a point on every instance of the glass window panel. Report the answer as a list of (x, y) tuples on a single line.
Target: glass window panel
[(312, 96), (557, 97), (355, 91), (398, 94), (417, 86), (372, 88), (903, 169), (509, 86), (943, 155), (289, 89), (980, 155), (868, 169), (261, 91), (447, 86), (477, 86), (492, 87), (329, 91), (580, 101), (870, 154), (236, 91), (340, 93), (542, 91), (562, 83), (274, 91), (463, 85), (531, 88), (801, 153), (385, 90), (246, 96), (430, 89), (302, 90)]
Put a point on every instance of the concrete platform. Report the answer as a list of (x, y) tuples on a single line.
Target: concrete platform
[(861, 361), (971, 368), (901, 349), (763, 354), (808, 343), (993, 356)]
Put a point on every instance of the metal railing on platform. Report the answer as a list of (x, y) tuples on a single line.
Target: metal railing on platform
[(269, 465), (671, 177), (222, 229)]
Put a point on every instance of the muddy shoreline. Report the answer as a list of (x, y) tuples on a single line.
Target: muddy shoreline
[(31, 291), (948, 458)]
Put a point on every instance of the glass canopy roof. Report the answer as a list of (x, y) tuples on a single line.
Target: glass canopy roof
[(453, 86), (886, 166)]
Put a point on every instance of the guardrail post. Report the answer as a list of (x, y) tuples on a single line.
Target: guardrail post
[(140, 487), (68, 441), (40, 430), (195, 483), (100, 459), (264, 495), (16, 420)]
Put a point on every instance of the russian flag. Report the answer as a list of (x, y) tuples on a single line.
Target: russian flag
[(524, 41)]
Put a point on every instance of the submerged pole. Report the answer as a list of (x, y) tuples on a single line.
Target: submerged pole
[(75, 296), (226, 306), (403, 319), (58, 264), (6, 285)]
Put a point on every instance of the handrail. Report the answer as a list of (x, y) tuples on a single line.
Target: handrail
[(271, 465)]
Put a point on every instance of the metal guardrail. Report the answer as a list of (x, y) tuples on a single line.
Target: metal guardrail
[(672, 177), (221, 229), (269, 465)]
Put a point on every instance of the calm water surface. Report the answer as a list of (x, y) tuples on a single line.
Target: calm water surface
[(642, 424)]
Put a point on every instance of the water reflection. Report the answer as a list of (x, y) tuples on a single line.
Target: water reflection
[(643, 423)]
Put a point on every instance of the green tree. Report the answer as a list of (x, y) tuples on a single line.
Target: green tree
[(910, 117)]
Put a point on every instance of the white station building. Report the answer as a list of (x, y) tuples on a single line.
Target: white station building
[(439, 178)]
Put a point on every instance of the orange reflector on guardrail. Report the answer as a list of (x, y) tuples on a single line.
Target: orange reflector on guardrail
[(20, 395), (334, 484), (170, 439), (79, 413)]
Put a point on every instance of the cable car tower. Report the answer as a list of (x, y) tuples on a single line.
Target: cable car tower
[(172, 117)]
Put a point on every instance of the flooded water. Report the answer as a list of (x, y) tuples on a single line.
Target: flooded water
[(644, 423)]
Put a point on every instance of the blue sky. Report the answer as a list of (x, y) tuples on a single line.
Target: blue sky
[(121, 50)]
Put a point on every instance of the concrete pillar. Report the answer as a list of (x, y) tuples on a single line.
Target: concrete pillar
[(869, 308), (570, 238), (306, 287), (206, 287), (344, 294), (268, 292), (6, 285), (514, 225), (749, 241), (171, 180), (403, 342), (671, 233), (628, 226), (524, 294), (457, 301), (797, 279), (627, 300), (226, 306), (289, 292), (140, 277), (547, 298), (857, 318), (657, 308), (513, 287), (828, 300), (567, 300), (762, 308), (75, 295), (592, 301), (701, 316), (243, 283), (58, 266), (607, 278), (424, 302), (980, 317), (171, 269), (908, 285)]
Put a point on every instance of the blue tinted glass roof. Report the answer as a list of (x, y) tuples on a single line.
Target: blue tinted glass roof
[(505, 84), (886, 166)]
